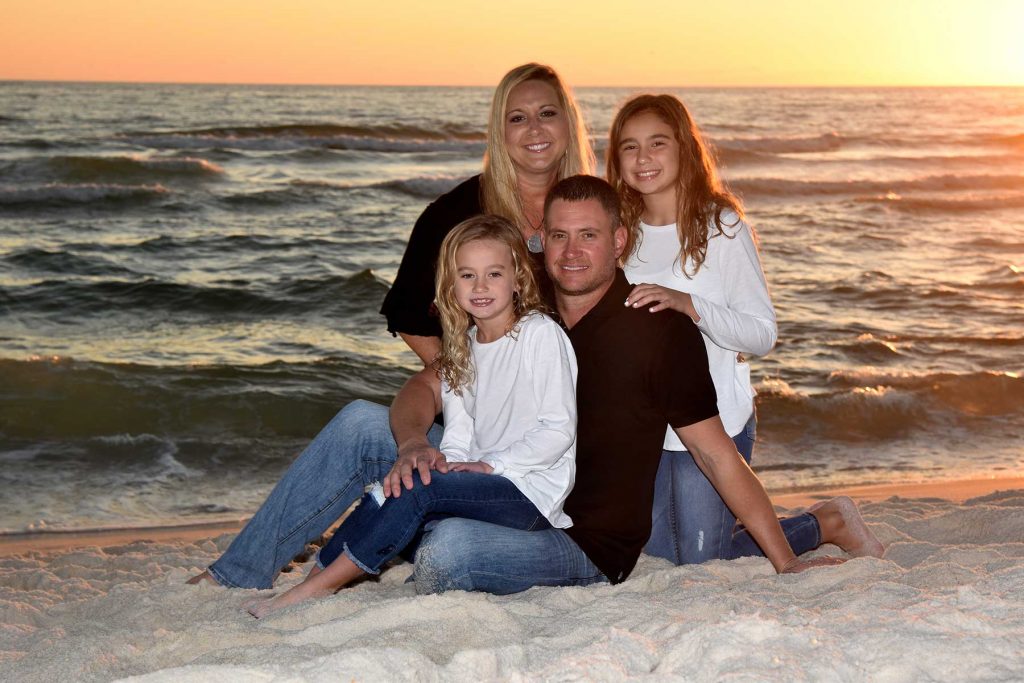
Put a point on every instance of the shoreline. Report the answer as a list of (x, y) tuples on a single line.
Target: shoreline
[(955, 491)]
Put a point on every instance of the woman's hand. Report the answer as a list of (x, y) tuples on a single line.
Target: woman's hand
[(661, 298), (417, 455), (481, 467)]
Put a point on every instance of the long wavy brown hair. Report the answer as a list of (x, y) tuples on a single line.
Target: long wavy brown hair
[(701, 198), (455, 362), (499, 186)]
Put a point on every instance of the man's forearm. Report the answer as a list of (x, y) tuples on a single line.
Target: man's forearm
[(740, 489)]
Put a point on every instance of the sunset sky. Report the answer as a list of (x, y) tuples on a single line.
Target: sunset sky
[(471, 42)]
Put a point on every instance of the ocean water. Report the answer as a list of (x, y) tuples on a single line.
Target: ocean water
[(190, 277)]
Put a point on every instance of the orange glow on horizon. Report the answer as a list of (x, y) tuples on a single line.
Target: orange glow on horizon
[(664, 43)]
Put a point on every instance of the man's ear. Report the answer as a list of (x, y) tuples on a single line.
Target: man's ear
[(619, 238)]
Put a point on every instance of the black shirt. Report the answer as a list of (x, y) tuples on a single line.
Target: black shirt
[(408, 305), (638, 371)]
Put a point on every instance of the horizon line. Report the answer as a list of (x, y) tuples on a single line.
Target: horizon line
[(855, 86)]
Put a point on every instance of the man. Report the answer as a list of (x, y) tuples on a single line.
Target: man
[(637, 372)]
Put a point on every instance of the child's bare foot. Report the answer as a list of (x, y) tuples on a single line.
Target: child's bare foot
[(205, 577), (841, 524), (304, 591)]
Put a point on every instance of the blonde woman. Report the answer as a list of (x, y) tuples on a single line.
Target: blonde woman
[(535, 137), (508, 390)]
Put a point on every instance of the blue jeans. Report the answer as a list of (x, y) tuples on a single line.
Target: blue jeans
[(374, 534), (354, 450), (469, 555), (691, 524)]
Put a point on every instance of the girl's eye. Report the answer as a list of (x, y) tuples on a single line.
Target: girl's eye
[(466, 276), (495, 273), (628, 148), (516, 118), (548, 113)]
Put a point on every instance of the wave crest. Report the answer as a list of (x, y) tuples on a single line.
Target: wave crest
[(61, 194), (877, 405)]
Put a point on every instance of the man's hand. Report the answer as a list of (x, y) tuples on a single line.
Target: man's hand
[(481, 467), (660, 298), (418, 455), (796, 565)]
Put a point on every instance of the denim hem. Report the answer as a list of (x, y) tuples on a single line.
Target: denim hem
[(817, 529), (355, 561), (221, 579)]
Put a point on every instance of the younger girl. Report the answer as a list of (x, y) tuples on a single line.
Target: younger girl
[(690, 251), (508, 389)]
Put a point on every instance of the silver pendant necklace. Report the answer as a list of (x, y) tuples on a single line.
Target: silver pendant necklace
[(534, 244)]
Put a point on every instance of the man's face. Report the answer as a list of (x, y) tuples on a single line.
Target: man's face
[(581, 247)]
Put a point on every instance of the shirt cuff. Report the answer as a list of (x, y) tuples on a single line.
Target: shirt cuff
[(498, 465)]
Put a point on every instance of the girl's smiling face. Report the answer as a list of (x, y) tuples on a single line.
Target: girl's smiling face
[(649, 155), (485, 282)]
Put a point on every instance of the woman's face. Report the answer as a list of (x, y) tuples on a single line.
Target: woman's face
[(536, 129), (649, 155)]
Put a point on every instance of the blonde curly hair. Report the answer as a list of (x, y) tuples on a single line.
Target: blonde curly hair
[(455, 363)]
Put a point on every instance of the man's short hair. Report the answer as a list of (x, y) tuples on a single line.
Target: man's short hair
[(579, 188)]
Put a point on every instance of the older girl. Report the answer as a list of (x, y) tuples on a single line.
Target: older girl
[(690, 250)]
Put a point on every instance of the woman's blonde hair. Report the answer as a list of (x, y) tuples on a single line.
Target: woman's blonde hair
[(455, 362), (700, 195), (499, 188)]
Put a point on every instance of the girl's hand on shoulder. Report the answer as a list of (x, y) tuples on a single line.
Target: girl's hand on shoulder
[(659, 298), (481, 467)]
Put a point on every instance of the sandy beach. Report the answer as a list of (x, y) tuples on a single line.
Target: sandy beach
[(945, 603)]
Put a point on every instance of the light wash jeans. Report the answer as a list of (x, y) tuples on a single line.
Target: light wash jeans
[(354, 450), (380, 528), (691, 524), (469, 555)]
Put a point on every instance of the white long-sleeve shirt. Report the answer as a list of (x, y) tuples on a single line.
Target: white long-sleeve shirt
[(731, 297), (519, 415)]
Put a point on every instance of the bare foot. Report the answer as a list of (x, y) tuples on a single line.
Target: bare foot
[(841, 524), (205, 577), (304, 591), (251, 603)]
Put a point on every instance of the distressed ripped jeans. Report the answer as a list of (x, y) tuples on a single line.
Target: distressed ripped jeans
[(691, 524)]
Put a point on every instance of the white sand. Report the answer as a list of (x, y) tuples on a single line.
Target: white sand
[(946, 603)]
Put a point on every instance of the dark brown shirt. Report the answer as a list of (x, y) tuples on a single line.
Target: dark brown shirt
[(638, 371)]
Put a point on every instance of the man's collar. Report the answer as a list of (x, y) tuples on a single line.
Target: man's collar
[(610, 304)]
